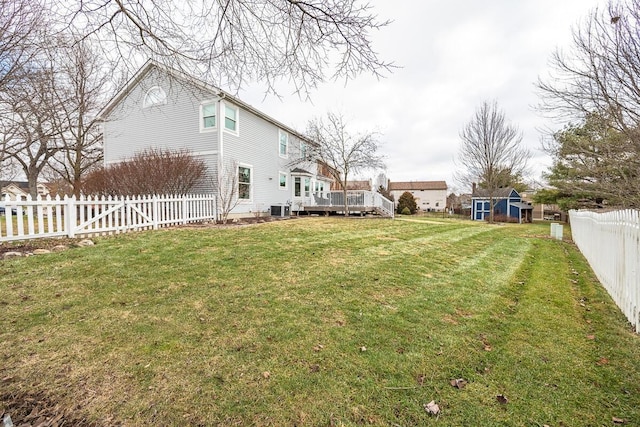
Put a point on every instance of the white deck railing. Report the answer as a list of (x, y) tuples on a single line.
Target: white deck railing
[(23, 219), (371, 199), (611, 243)]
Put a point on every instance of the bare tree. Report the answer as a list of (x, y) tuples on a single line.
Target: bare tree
[(238, 41), (20, 21), (226, 186), (82, 80), (30, 121), (20, 25), (599, 74), (491, 152), (596, 83), (342, 152)]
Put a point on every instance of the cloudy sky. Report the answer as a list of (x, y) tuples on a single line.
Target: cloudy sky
[(454, 54)]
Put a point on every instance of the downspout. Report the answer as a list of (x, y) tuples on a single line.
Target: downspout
[(220, 144), (222, 96)]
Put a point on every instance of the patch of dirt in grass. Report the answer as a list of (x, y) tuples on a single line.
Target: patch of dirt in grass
[(31, 245), (235, 222), (33, 409)]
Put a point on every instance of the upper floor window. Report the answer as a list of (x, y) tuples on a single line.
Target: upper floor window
[(303, 150), (230, 118), (284, 144), (154, 96), (208, 116), (244, 182)]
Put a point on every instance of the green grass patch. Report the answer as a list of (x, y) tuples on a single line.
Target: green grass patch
[(321, 321)]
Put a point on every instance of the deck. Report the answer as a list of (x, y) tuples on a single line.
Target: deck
[(358, 202)]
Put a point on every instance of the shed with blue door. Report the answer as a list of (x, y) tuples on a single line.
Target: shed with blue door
[(508, 205)]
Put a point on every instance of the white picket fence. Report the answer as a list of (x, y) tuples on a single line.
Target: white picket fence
[(26, 218), (611, 243)]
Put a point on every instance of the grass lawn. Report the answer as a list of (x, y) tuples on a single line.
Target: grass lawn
[(320, 322)]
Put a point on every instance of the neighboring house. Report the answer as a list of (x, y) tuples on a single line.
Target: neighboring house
[(19, 189), (460, 205), (163, 108), (429, 195), (507, 204)]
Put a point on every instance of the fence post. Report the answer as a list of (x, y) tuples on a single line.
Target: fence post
[(70, 215), (154, 209), (185, 208)]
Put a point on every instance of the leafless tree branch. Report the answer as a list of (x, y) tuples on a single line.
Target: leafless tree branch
[(491, 151), (232, 42)]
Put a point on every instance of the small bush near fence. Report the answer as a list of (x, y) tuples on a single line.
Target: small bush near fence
[(503, 218)]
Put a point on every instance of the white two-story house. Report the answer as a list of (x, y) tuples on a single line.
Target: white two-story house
[(163, 108)]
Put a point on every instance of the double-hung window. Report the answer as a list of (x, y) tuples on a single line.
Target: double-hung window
[(208, 116), (283, 143), (231, 118), (282, 181), (244, 182)]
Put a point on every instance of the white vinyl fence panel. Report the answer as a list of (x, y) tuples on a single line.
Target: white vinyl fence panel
[(611, 243), (26, 218)]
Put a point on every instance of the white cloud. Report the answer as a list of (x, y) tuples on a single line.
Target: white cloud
[(453, 55)]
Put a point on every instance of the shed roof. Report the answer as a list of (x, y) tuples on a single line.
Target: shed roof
[(500, 193), (522, 205)]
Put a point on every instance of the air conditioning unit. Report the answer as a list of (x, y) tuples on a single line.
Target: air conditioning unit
[(281, 210)]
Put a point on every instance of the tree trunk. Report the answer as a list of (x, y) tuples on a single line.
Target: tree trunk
[(32, 179), (491, 209)]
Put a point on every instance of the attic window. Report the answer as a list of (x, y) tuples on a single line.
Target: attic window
[(154, 96)]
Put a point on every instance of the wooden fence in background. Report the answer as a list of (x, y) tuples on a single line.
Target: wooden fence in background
[(611, 243), (84, 216)]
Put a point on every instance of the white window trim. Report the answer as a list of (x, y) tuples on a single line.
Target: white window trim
[(146, 104), (201, 116), (286, 181), (223, 113), (286, 154), (250, 199)]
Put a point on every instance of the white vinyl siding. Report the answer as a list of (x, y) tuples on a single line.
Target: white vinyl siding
[(129, 128)]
